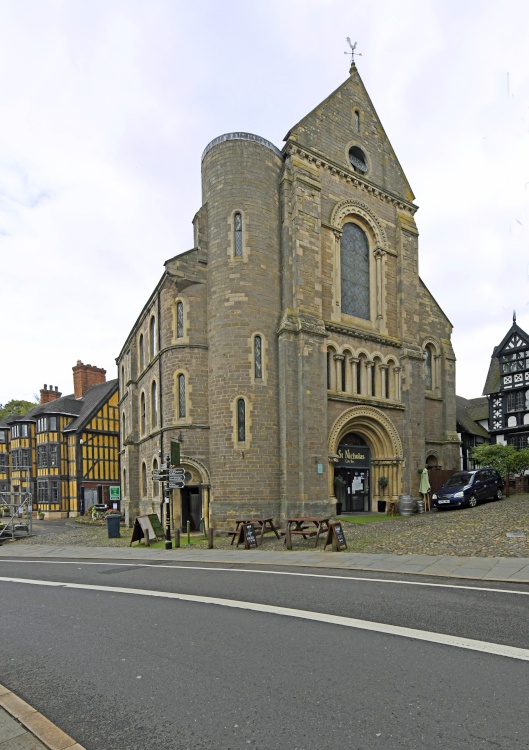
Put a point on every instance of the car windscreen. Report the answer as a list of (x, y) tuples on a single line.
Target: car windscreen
[(459, 480)]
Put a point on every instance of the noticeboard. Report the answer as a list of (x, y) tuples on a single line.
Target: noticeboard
[(247, 535), (115, 493), (336, 537)]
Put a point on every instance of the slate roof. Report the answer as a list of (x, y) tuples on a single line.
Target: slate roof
[(493, 380), (92, 401), (468, 411), (80, 409)]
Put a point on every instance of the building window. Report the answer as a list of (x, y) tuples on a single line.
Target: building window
[(14, 459), (181, 396), (237, 231), (241, 420), (144, 479), (141, 353), (3, 462), (42, 456), (53, 424), (519, 441), (357, 120), (124, 481), (152, 336), (54, 491), (41, 424), (354, 253), (154, 405), (516, 401), (24, 458), (3, 436), (258, 357), (428, 368), (155, 485), (142, 413), (43, 491), (24, 430), (179, 320), (123, 430), (53, 455)]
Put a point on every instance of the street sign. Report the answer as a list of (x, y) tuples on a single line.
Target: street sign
[(159, 476), (176, 485), (115, 493), (177, 473)]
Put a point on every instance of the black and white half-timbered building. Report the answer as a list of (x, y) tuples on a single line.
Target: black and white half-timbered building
[(507, 387)]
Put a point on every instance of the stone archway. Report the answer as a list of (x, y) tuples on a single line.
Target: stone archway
[(200, 483), (385, 444)]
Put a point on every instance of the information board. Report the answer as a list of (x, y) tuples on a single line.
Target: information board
[(149, 525)]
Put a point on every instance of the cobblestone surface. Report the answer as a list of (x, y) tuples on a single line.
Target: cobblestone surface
[(476, 532)]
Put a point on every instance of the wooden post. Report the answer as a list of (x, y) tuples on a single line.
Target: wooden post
[(146, 537), (177, 538), (211, 533)]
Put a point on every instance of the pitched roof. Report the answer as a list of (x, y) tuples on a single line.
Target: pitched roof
[(91, 402), (493, 380), (469, 410)]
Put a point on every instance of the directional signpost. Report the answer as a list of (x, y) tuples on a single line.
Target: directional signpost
[(176, 480), (172, 478)]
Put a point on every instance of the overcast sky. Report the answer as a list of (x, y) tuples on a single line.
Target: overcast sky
[(107, 106)]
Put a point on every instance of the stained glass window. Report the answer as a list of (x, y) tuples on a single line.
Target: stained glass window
[(428, 368), (179, 320), (241, 420), (238, 234), (181, 396), (257, 354), (355, 272)]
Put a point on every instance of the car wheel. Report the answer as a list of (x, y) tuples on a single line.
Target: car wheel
[(498, 494), (472, 501)]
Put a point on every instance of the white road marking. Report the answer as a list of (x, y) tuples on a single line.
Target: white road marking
[(210, 568), (496, 649)]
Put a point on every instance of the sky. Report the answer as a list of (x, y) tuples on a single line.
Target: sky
[(107, 105)]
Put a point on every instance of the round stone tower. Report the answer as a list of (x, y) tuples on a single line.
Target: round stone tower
[(240, 184)]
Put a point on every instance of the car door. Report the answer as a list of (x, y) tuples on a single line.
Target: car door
[(479, 487)]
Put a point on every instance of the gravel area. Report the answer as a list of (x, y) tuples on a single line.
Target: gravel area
[(476, 532)]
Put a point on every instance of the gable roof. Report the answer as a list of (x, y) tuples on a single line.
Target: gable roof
[(468, 411), (91, 402)]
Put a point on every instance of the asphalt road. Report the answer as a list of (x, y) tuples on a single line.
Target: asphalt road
[(115, 669)]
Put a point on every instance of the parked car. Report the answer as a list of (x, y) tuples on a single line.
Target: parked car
[(468, 488)]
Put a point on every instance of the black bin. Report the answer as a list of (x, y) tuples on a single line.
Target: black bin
[(113, 520)]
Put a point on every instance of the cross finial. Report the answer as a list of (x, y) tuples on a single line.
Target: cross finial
[(352, 52)]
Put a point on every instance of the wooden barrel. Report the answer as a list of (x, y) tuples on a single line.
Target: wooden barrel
[(405, 505)]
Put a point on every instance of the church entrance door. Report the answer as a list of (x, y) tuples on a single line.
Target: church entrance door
[(191, 508), (352, 476)]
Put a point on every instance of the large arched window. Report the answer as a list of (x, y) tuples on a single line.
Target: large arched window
[(354, 271), (241, 420), (181, 396), (152, 337), (237, 234), (154, 404)]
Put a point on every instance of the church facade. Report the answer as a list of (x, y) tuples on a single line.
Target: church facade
[(293, 352)]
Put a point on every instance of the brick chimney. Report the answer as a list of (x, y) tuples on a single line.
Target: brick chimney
[(85, 376), (49, 394)]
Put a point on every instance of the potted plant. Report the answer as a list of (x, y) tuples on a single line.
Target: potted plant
[(383, 483), (339, 482), (41, 515)]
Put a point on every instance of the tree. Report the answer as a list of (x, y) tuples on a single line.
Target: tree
[(495, 455), (518, 463), (15, 406)]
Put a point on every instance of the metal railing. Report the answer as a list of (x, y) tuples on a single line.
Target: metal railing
[(17, 514)]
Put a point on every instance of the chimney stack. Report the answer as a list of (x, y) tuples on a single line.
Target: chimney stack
[(49, 394), (84, 376)]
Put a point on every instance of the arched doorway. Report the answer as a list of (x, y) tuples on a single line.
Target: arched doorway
[(377, 443), (352, 474)]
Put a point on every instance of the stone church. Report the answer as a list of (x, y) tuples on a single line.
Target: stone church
[(293, 352)]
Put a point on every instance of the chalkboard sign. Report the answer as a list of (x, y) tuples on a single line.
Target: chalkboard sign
[(149, 525), (336, 537), (247, 535)]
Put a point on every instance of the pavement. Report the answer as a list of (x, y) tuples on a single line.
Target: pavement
[(24, 728)]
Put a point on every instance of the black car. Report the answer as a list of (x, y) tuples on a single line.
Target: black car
[(468, 488)]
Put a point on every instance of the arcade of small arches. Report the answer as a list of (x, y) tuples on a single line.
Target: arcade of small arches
[(359, 373)]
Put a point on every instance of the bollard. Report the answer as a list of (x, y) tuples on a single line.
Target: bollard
[(288, 538), (146, 538), (188, 532), (210, 537), (177, 538), (204, 530)]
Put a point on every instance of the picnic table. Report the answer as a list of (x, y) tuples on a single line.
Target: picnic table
[(262, 526), (307, 526)]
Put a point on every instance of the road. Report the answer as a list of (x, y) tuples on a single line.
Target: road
[(119, 658)]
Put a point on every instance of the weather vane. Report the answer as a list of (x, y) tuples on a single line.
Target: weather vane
[(352, 52)]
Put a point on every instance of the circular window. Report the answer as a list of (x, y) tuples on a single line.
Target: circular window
[(188, 477), (358, 159)]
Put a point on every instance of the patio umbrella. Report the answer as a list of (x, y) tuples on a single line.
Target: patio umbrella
[(424, 488)]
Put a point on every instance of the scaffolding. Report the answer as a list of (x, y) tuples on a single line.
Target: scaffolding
[(17, 513)]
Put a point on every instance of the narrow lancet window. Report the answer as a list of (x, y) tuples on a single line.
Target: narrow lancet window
[(181, 396), (241, 420), (179, 320), (258, 357), (237, 219)]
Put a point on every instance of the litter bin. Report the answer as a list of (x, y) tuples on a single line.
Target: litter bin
[(113, 520)]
